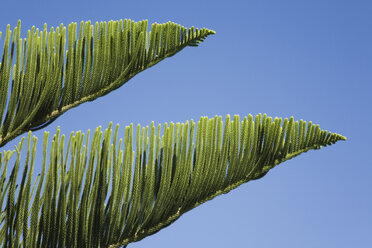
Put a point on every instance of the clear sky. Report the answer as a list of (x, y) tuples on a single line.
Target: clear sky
[(307, 59)]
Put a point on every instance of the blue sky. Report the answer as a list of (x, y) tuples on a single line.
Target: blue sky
[(307, 59)]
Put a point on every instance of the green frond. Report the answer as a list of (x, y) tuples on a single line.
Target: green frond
[(47, 80), (103, 193)]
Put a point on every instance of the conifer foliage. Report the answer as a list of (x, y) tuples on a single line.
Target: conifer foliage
[(47, 80), (112, 189)]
